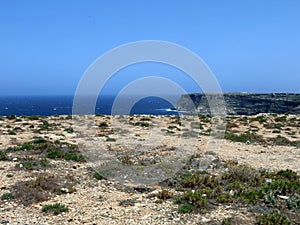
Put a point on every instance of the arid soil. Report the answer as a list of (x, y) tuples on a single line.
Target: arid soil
[(48, 160)]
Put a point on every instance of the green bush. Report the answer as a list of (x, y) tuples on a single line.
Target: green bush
[(33, 117), (33, 164), (3, 156), (98, 176), (272, 219), (103, 124), (141, 124), (57, 154), (69, 130), (185, 208), (165, 194), (11, 117), (56, 208), (12, 133), (244, 137), (7, 196)]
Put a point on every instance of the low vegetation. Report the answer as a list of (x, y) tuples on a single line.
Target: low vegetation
[(240, 185), (41, 188), (56, 208)]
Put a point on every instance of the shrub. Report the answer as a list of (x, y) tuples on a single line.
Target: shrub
[(241, 173), (280, 140), (103, 124), (227, 221), (273, 218), (41, 188), (12, 133), (195, 198), (33, 117), (98, 176), (109, 139), (185, 208), (281, 119), (165, 194), (69, 130), (45, 125), (11, 117), (141, 124), (56, 208), (196, 180), (3, 156), (7, 196), (244, 137), (57, 154), (33, 165)]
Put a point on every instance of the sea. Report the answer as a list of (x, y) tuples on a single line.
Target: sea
[(62, 105)]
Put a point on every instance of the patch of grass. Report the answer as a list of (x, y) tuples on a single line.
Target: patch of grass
[(281, 119), (273, 218), (141, 124), (231, 125), (56, 208), (165, 194), (56, 150), (109, 139), (41, 188), (103, 125), (33, 164), (127, 160), (280, 140), (17, 129), (238, 184), (12, 132), (185, 208), (244, 137), (11, 117), (242, 173), (58, 154), (260, 119), (198, 180), (34, 117), (194, 198), (45, 125), (7, 196), (3, 156), (225, 198), (227, 221), (98, 176), (128, 202), (69, 130)]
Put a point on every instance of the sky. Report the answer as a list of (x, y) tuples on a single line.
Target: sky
[(250, 46)]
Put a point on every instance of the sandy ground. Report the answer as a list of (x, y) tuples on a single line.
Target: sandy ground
[(138, 140)]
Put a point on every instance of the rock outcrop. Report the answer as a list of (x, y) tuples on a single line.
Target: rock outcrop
[(242, 103)]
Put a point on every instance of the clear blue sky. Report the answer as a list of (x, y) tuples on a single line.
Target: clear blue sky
[(250, 45)]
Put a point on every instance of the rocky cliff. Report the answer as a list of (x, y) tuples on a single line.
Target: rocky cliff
[(243, 103)]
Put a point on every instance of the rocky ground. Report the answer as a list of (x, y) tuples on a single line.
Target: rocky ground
[(50, 160)]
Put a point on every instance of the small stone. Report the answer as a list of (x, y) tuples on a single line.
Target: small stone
[(283, 197), (65, 190)]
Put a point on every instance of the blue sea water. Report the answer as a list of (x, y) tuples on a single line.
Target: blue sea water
[(62, 105)]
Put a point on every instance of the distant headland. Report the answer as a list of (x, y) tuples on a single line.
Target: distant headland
[(243, 103)]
